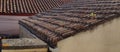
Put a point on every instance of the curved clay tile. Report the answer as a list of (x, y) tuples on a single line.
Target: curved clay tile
[(67, 20), (28, 6)]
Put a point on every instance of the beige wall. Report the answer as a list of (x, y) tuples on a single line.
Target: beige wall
[(24, 33), (104, 38)]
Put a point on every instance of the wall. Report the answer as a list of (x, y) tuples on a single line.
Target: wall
[(24, 33), (104, 38)]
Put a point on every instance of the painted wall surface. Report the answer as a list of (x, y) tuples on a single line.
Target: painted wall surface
[(104, 38), (24, 33)]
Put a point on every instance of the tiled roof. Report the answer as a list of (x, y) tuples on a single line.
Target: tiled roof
[(28, 6), (69, 19)]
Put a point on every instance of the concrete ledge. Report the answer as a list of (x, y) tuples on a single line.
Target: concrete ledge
[(23, 43)]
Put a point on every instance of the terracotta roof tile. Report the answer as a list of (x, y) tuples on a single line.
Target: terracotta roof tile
[(28, 6), (69, 19)]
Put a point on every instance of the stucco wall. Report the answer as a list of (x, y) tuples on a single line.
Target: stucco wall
[(104, 38), (24, 33)]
